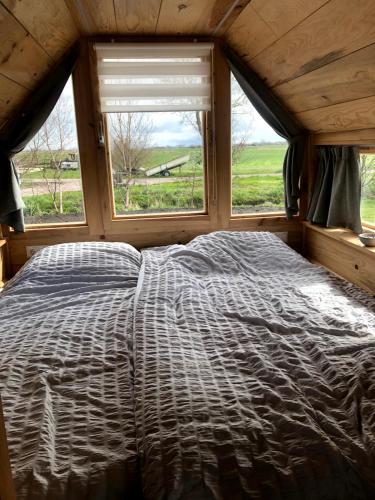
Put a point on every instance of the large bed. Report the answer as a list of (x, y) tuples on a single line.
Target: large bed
[(229, 367)]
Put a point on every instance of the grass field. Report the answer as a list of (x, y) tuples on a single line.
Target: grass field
[(257, 186)]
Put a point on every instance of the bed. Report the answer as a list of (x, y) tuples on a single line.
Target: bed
[(229, 367)]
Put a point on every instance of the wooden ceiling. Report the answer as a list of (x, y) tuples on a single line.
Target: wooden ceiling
[(317, 55)]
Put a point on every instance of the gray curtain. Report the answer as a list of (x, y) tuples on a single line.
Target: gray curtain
[(20, 129), (282, 122), (337, 193)]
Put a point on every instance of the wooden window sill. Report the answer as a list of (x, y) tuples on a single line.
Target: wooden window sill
[(345, 236)]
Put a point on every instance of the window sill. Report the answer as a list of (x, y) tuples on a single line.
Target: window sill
[(345, 236)]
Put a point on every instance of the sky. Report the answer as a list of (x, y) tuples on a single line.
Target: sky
[(170, 130)]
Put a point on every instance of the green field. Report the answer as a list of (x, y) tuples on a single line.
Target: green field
[(257, 186)]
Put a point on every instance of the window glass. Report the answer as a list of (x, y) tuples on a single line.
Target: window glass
[(49, 168), (368, 186), (257, 159), (157, 162)]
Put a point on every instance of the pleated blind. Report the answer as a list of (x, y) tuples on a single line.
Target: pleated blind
[(154, 77)]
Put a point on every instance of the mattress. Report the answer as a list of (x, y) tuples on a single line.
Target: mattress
[(65, 372), (254, 374)]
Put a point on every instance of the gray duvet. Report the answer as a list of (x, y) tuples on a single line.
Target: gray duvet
[(65, 376), (229, 368), (254, 374)]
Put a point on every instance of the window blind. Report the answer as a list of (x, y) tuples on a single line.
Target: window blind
[(154, 77)]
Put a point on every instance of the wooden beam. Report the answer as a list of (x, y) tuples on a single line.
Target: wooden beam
[(346, 137), (7, 491), (87, 140), (222, 137)]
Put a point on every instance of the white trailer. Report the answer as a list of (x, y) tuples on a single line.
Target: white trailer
[(164, 168)]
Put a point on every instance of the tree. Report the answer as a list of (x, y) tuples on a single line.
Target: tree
[(130, 141), (240, 106), (54, 137)]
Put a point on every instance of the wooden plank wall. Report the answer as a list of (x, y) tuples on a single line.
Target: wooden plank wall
[(33, 36), (317, 56)]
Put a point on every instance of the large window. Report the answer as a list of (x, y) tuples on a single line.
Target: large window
[(155, 98), (257, 159), (367, 159), (49, 168)]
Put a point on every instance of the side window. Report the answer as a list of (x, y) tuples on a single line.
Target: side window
[(257, 159), (367, 159), (49, 168)]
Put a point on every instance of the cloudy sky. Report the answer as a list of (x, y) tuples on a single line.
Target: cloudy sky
[(169, 129)]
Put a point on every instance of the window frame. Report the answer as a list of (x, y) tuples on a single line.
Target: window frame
[(143, 230), (362, 149), (276, 213), (71, 224)]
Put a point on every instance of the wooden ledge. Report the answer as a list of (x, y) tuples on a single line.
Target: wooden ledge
[(340, 251), (345, 236)]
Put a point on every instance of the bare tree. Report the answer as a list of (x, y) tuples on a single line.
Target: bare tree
[(54, 138), (240, 106), (130, 142), (242, 111)]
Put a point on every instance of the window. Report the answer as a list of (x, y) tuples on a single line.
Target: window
[(155, 98), (257, 159), (49, 168), (367, 164)]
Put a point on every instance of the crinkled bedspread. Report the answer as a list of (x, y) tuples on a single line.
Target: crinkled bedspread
[(65, 377), (254, 374)]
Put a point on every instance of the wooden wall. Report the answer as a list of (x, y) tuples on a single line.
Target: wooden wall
[(317, 56)]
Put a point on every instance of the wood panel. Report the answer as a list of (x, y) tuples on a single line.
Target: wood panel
[(249, 34), (263, 22), (351, 77), (335, 30), (350, 115), (93, 16), (341, 252), (221, 206), (7, 491), (224, 15), (21, 58), (87, 140), (191, 16), (136, 16), (48, 21), (11, 95)]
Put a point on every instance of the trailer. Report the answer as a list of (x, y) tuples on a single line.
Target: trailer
[(164, 168)]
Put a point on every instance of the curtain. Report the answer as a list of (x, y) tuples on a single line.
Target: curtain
[(280, 120), (337, 193), (20, 129)]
